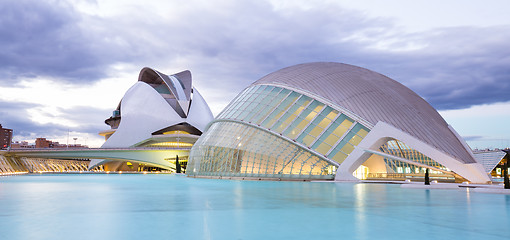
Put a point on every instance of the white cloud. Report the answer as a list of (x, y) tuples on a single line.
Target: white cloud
[(52, 94)]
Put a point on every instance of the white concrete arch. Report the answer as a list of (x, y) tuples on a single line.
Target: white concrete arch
[(383, 132)]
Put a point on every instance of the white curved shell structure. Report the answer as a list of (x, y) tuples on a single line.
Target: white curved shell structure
[(158, 109), (154, 103)]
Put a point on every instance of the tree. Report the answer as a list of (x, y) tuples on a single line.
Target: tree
[(177, 164), (427, 180), (505, 175)]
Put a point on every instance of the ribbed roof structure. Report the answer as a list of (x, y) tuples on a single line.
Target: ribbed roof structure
[(373, 97)]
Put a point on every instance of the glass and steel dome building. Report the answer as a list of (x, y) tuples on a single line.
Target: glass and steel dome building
[(330, 121)]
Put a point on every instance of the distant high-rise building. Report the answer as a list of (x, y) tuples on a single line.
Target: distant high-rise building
[(5, 137)]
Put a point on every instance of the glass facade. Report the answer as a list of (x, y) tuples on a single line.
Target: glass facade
[(399, 149), (237, 150), (299, 123)]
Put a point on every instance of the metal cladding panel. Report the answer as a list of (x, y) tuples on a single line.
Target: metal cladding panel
[(373, 97)]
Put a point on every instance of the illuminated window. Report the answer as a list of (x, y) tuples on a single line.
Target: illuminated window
[(280, 110), (303, 119), (290, 115), (171, 144), (220, 154), (176, 132)]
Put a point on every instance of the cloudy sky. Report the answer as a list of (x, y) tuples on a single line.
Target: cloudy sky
[(64, 65)]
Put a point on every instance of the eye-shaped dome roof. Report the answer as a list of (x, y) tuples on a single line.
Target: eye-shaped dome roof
[(372, 97)]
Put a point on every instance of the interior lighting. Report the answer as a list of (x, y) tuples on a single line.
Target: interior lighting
[(175, 132), (171, 144)]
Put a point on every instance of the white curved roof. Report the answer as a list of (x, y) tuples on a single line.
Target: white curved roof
[(373, 97), (152, 104)]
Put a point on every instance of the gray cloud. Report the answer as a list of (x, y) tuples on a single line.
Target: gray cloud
[(91, 119), (458, 68), (14, 116), (473, 138), (47, 38), (233, 43), (245, 40), (452, 67)]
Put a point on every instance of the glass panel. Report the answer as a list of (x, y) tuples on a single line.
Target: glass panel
[(317, 126), (295, 129), (363, 132), (235, 101), (322, 124), (323, 148), (332, 139), (348, 148), (327, 136), (280, 110), (245, 102), (303, 120), (290, 115), (344, 126), (271, 104), (247, 108), (355, 140), (339, 157), (257, 103), (307, 140), (234, 149), (263, 101), (336, 130), (332, 115)]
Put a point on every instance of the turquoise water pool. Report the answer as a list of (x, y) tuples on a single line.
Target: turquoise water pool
[(138, 206)]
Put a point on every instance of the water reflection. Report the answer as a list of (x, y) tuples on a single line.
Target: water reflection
[(507, 205), (163, 206), (360, 216)]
